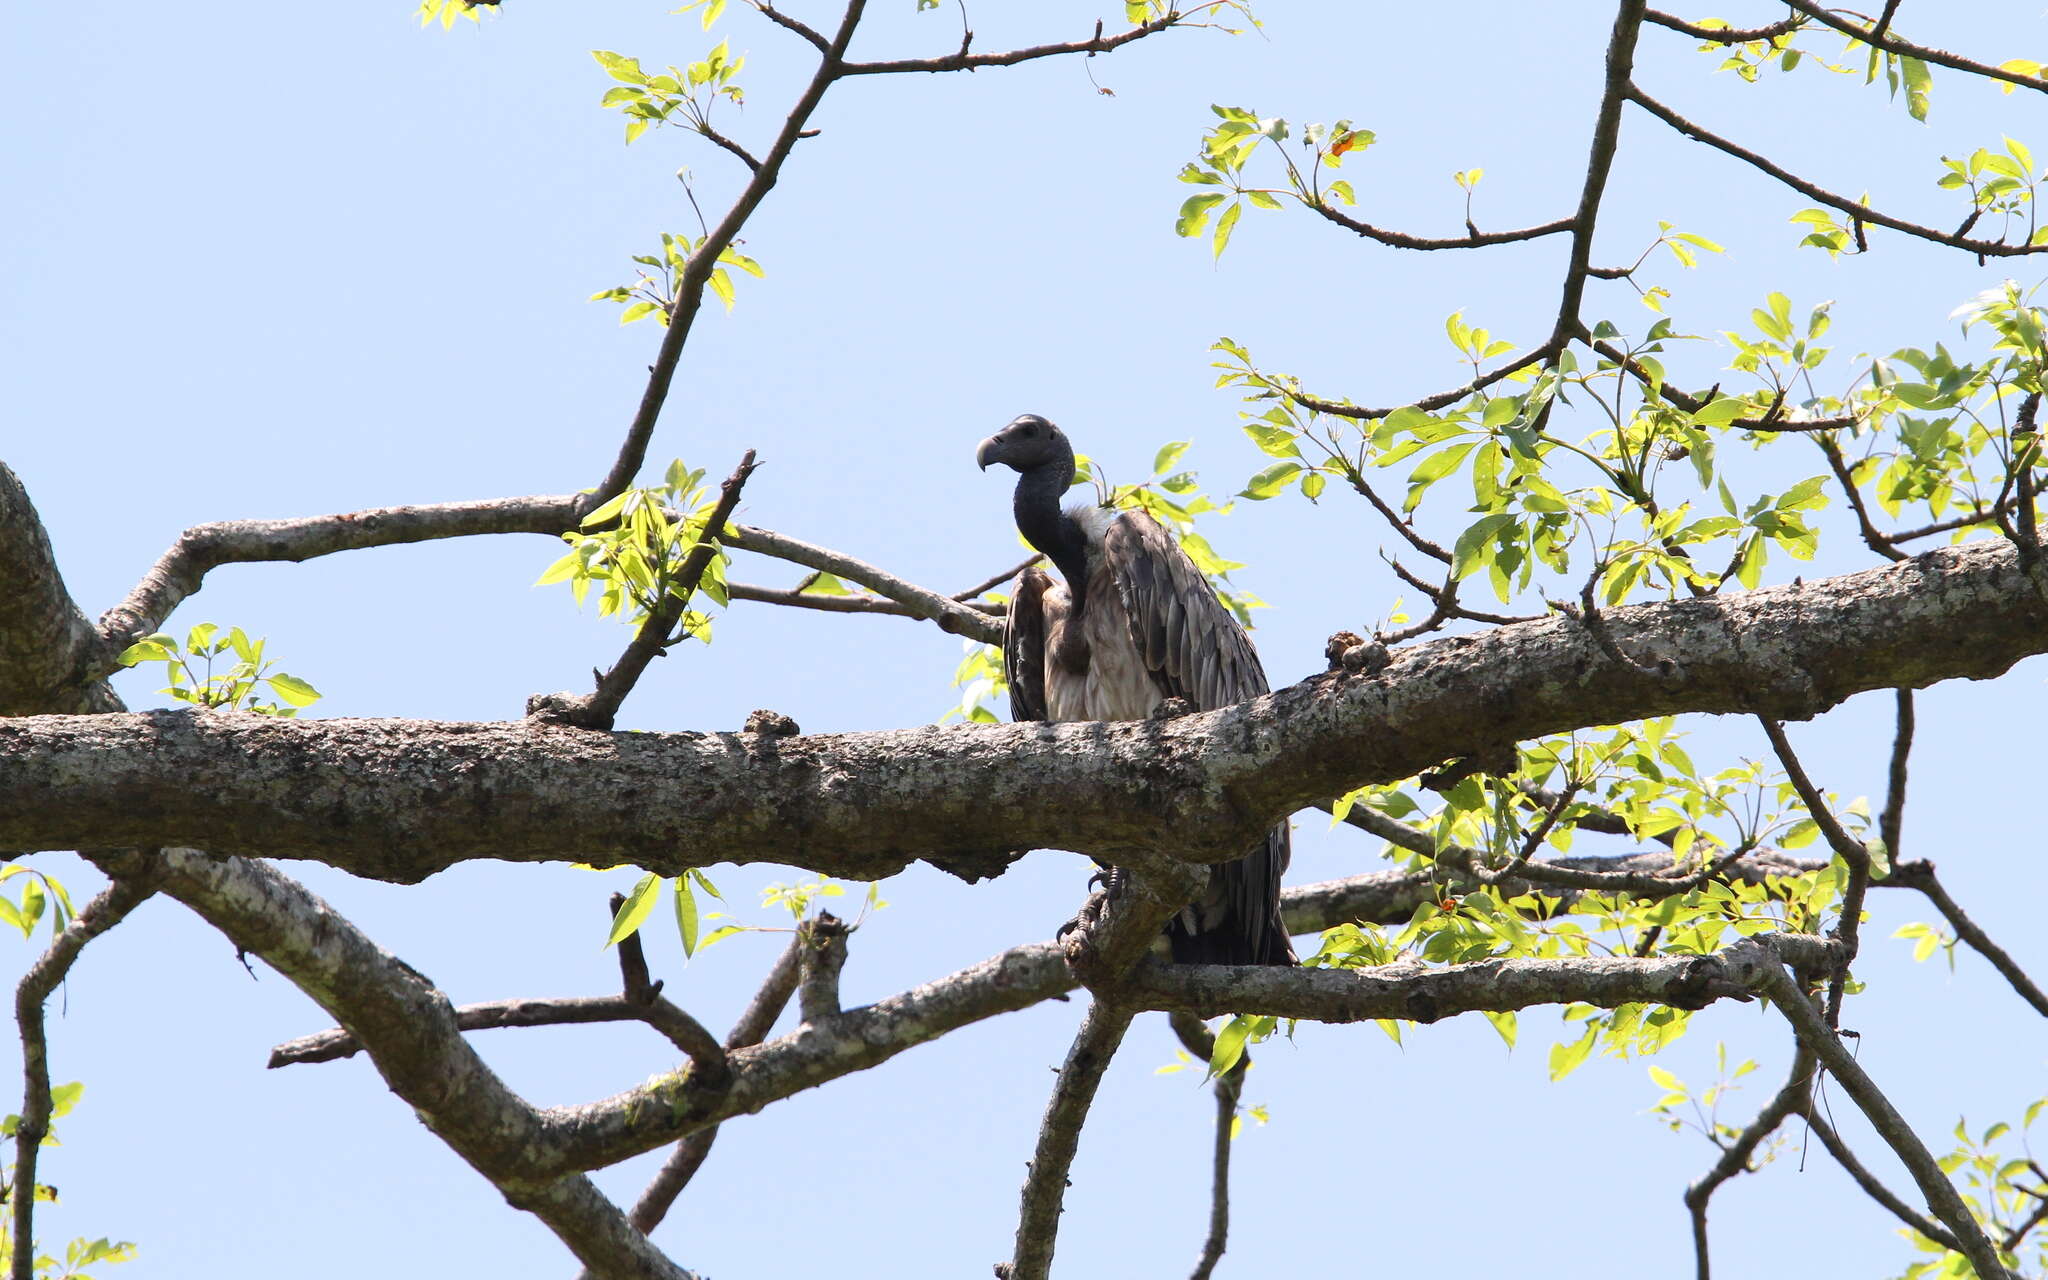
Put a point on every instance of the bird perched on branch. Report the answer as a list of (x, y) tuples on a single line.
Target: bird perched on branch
[(1134, 624)]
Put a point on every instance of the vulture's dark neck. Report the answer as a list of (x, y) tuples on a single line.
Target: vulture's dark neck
[(1051, 530)]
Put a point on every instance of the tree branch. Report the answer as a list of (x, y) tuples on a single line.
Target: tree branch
[(48, 651), (951, 615), (1853, 853), (1621, 52), (399, 800), (1735, 1156), (599, 708), (1059, 1136), (1876, 35), (106, 910), (1859, 212), (965, 61), (1725, 35), (1820, 1039), (1402, 240), (1228, 1088), (689, 296), (1920, 875)]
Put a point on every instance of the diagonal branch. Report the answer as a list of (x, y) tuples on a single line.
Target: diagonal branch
[(1920, 875), (1820, 1039), (1621, 52), (1857, 211), (1853, 853), (1059, 1137), (599, 708), (1877, 35), (951, 615), (689, 296)]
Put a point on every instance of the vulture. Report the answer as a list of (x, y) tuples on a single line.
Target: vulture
[(1134, 623)]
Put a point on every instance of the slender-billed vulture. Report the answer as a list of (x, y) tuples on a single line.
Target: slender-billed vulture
[(1135, 623)]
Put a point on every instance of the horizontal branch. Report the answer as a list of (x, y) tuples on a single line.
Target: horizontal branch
[(1724, 35), (336, 1044), (203, 548), (401, 799), (642, 1119), (965, 61), (1472, 240)]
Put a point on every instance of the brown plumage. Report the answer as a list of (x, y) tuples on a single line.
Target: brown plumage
[(1147, 627)]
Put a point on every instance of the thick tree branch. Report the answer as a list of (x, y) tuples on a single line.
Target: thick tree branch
[(399, 800), (106, 910), (1856, 211), (413, 1038), (1820, 1039), (48, 651)]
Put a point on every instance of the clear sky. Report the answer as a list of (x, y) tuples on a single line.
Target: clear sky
[(285, 260)]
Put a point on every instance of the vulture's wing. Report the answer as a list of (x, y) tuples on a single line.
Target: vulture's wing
[(1024, 646), (1196, 650)]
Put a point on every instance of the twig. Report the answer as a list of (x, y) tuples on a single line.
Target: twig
[(783, 20), (1854, 854), (951, 615), (823, 956), (1621, 51), (1877, 35), (106, 910), (1892, 820), (1402, 240), (1868, 1181), (179, 572), (968, 595), (1860, 212), (1228, 1088), (1725, 35), (1430, 402), (689, 1154), (1790, 1100), (965, 61), (600, 707), (1942, 1200), (1059, 1136), (1872, 538), (490, 1015), (657, 1011), (746, 157), (703, 260), (1920, 875)]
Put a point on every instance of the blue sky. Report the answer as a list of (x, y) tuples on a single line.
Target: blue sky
[(290, 260)]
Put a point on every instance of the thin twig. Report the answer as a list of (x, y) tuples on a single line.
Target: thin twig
[(1877, 35), (951, 615), (1920, 875), (1860, 212), (1403, 240), (1725, 35), (703, 260), (1854, 854), (1228, 1088), (1868, 1181), (106, 910), (965, 61), (1790, 1100), (600, 707), (1872, 538), (1621, 51), (1891, 822)]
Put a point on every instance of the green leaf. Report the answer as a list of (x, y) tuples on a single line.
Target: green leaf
[(293, 690), (157, 648), (634, 910), (1567, 1058), (1162, 462), (1224, 225), (686, 915), (1194, 213), (1271, 482), (1229, 1045)]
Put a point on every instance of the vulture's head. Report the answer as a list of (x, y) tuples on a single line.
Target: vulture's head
[(1029, 442)]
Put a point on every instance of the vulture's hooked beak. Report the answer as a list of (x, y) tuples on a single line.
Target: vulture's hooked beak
[(985, 453)]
